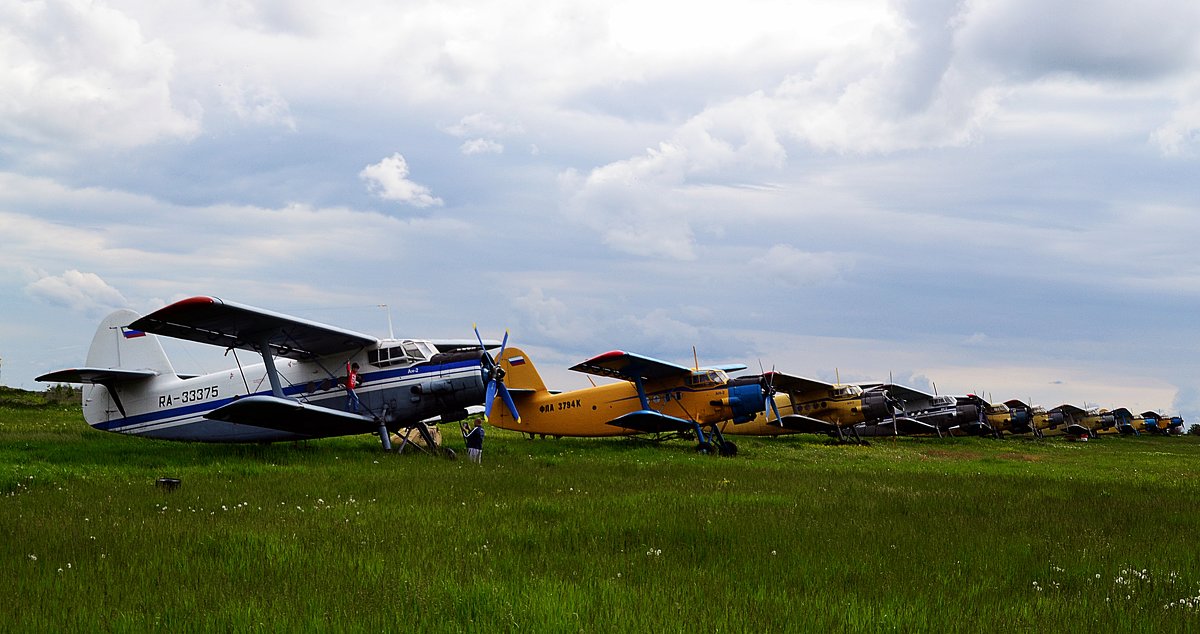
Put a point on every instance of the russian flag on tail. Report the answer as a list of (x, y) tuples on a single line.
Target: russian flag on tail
[(131, 333)]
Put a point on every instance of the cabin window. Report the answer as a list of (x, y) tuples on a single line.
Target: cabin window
[(406, 353)]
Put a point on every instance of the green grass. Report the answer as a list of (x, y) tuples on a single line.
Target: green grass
[(594, 535)]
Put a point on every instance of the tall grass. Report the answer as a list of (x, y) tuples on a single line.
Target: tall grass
[(594, 535)]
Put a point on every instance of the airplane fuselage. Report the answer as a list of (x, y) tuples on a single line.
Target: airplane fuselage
[(587, 411), (174, 408)]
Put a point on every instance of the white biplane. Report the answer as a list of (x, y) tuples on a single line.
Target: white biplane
[(298, 390)]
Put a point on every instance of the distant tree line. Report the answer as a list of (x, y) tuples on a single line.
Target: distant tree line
[(54, 396)]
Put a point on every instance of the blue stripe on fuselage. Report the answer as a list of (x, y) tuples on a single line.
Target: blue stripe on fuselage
[(291, 390)]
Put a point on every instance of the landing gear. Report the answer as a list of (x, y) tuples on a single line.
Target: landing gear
[(713, 442)]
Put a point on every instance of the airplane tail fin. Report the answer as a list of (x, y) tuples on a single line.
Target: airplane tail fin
[(118, 356), (519, 374), (115, 346)]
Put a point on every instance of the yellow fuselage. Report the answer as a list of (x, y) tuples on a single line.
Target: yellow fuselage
[(827, 405), (587, 411)]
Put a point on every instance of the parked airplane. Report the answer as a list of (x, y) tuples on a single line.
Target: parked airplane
[(130, 386), (1163, 425), (1084, 423), (653, 397), (1031, 419), (809, 406), (1127, 423), (939, 414)]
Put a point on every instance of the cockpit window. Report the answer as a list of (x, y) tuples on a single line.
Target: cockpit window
[(406, 353), (706, 378)]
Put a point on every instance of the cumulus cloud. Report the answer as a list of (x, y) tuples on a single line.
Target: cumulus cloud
[(646, 205), (794, 267), (86, 293), (481, 146), (78, 72), (260, 105), (482, 131), (388, 179)]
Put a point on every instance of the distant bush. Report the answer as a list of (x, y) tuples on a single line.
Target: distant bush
[(55, 396), (1194, 430)]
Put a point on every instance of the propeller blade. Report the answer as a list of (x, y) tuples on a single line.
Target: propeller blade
[(508, 402), (769, 395), (503, 345), (489, 398)]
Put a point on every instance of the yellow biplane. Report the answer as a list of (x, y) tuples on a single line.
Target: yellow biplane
[(809, 406), (652, 398), (1081, 424)]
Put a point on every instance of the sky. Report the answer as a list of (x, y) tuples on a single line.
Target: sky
[(997, 197)]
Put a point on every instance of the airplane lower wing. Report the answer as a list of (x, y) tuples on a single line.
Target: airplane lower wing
[(1075, 429), (649, 421), (293, 416), (806, 424), (908, 426)]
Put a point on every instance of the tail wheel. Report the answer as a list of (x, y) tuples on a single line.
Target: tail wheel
[(728, 448)]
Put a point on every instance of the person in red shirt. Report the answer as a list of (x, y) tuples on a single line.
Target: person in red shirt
[(352, 402)]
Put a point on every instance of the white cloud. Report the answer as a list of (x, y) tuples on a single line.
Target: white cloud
[(797, 268), (81, 73), (481, 146), (388, 179), (82, 292), (261, 105), (482, 124)]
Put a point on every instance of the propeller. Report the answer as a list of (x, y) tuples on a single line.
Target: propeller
[(495, 379), (768, 388)]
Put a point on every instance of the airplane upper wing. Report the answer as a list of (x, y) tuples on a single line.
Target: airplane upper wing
[(293, 416), (1070, 410), (630, 367), (96, 375), (912, 398), (220, 323), (795, 384)]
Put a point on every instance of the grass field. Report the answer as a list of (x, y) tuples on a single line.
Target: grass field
[(962, 535)]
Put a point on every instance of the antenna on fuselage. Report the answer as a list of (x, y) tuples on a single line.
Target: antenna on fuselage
[(695, 359), (391, 335)]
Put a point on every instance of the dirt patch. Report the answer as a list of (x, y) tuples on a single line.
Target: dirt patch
[(954, 455), (1020, 456)]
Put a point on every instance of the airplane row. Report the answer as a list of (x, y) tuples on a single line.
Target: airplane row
[(317, 381)]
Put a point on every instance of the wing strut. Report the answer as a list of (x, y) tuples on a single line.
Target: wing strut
[(269, 361)]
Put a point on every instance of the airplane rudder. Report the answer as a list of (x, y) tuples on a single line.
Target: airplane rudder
[(115, 345), (519, 371)]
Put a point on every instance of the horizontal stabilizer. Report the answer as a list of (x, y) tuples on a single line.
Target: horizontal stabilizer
[(99, 376), (293, 416), (649, 421)]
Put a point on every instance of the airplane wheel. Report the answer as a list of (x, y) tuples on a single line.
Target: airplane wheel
[(728, 448), (704, 448)]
